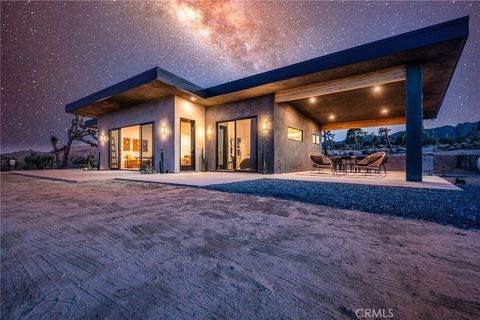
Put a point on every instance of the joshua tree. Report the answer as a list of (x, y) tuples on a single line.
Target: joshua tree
[(355, 136), (327, 141), (56, 151), (384, 132), (76, 132)]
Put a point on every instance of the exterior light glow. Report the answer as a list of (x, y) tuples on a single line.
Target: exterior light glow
[(377, 89), (209, 132), (384, 111), (331, 117), (313, 99), (193, 98), (265, 125), (164, 130)]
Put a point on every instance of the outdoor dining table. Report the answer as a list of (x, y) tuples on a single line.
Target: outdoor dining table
[(345, 164)]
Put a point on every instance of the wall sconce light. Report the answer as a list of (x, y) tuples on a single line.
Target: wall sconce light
[(265, 126), (164, 130), (102, 138), (209, 132)]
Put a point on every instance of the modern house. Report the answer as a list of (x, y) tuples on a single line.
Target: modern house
[(276, 117)]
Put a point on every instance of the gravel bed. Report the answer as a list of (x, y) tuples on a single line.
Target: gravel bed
[(457, 208)]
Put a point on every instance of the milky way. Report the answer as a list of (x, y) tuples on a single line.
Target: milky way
[(53, 53)]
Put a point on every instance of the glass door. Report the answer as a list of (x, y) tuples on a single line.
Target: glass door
[(245, 138), (147, 145), (131, 148), (237, 145), (131, 159), (187, 144)]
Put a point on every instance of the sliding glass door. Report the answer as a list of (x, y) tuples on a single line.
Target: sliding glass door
[(146, 146), (237, 145), (131, 148)]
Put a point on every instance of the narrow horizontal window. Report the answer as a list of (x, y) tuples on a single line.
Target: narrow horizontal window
[(295, 134), (316, 138)]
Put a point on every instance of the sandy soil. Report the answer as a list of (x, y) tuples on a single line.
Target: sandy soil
[(123, 250)]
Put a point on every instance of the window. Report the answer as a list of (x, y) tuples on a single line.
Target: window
[(295, 134), (316, 138)]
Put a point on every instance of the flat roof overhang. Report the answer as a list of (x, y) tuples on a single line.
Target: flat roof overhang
[(437, 48)]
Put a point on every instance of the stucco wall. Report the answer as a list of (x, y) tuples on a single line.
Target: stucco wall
[(161, 112), (261, 107), (191, 111), (293, 155)]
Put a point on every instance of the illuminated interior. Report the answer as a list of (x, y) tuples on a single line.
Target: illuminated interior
[(236, 145), (187, 154), (295, 134), (131, 148)]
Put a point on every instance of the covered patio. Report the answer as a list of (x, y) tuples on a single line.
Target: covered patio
[(405, 94)]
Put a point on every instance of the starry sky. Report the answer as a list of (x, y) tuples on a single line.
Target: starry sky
[(53, 53)]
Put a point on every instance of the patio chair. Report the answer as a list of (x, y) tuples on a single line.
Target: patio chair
[(245, 164), (371, 163), (320, 161)]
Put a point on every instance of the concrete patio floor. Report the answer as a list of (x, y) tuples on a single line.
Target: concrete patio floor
[(202, 179)]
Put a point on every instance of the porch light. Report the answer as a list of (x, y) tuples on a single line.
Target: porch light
[(193, 98), (331, 117), (164, 130), (265, 125), (313, 99), (377, 89), (209, 132), (102, 138), (384, 111)]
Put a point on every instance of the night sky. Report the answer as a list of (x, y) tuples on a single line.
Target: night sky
[(53, 53)]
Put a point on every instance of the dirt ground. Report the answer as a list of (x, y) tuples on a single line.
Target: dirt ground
[(122, 250)]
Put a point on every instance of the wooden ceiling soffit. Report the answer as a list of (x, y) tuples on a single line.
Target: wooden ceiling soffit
[(379, 77), (363, 123)]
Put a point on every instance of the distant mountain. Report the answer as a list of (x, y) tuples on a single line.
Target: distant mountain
[(459, 131), (75, 152)]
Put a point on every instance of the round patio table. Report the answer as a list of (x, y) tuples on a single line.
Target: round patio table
[(344, 164)]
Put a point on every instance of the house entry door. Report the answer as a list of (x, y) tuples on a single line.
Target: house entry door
[(187, 144)]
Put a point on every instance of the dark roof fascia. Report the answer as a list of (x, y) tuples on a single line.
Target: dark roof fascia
[(454, 67), (449, 30), (135, 81)]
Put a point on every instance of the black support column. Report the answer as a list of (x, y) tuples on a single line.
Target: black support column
[(413, 112)]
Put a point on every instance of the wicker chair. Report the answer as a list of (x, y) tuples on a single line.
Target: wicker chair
[(320, 161), (371, 163)]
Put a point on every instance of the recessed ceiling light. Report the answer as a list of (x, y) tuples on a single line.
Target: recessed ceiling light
[(331, 117), (313, 99), (377, 89), (384, 111)]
